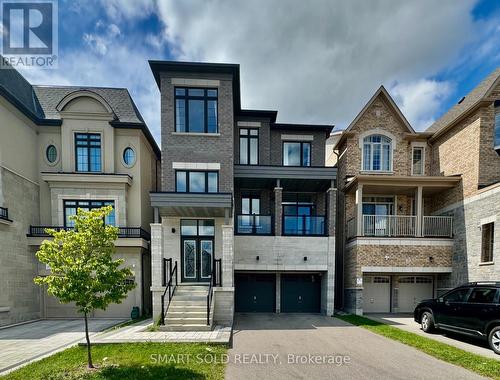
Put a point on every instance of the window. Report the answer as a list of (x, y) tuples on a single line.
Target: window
[(88, 152), (196, 182), (487, 238), (458, 295), (250, 205), (377, 153), (51, 154), (196, 110), (296, 154), (482, 295), (194, 227), (70, 208), (129, 157), (249, 146), (418, 161), (497, 126)]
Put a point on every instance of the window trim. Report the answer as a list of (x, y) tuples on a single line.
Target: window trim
[(490, 258), (46, 156), (128, 166), (391, 150), (88, 152), (423, 159), (301, 153), (186, 98), (248, 137), (103, 201), (206, 181)]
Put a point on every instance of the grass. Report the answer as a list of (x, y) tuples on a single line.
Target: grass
[(476, 363), (130, 361)]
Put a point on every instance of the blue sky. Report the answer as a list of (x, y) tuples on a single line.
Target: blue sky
[(315, 62)]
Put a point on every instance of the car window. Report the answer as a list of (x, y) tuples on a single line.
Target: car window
[(482, 295), (458, 295)]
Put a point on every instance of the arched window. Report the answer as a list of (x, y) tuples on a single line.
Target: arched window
[(377, 153)]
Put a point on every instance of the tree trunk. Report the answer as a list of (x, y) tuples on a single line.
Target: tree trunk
[(89, 354)]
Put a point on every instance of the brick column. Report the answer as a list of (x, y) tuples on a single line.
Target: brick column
[(359, 210), (278, 211), (227, 256), (331, 196), (156, 268)]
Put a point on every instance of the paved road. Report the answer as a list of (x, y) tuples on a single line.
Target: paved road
[(406, 322), (25, 343), (362, 354)]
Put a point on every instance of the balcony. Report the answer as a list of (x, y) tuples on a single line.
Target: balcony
[(254, 224), (123, 232), (4, 214), (401, 226), (303, 225)]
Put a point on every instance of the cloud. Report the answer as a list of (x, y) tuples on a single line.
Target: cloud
[(321, 61), (420, 100)]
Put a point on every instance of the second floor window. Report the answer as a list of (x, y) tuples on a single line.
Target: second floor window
[(249, 146), (196, 182), (497, 126), (296, 154), (418, 161), (88, 152), (377, 153), (71, 207), (196, 110)]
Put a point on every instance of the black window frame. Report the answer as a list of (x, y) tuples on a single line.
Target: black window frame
[(248, 136), (301, 153), (490, 244), (88, 146), (186, 97), (197, 228), (90, 206), (206, 181)]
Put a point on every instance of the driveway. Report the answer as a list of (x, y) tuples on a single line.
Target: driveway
[(406, 322), (24, 343), (264, 343)]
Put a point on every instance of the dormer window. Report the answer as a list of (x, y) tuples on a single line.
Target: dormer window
[(377, 153)]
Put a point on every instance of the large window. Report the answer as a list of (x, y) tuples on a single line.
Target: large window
[(88, 152), (196, 182), (70, 208), (487, 239), (418, 161), (196, 110), (249, 146), (297, 154), (377, 153)]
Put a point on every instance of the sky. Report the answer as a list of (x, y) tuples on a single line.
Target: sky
[(316, 61)]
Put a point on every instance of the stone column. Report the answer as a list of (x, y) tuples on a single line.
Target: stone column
[(278, 293), (359, 210), (227, 256), (156, 268), (331, 196), (419, 206), (278, 211), (330, 280)]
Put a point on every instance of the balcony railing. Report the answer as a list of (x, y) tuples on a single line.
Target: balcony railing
[(400, 226), (123, 232), (4, 213), (303, 225), (254, 224)]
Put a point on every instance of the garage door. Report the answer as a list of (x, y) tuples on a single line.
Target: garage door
[(376, 294), (411, 290), (300, 293), (255, 292)]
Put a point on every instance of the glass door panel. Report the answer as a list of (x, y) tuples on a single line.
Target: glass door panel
[(207, 253), (189, 265)]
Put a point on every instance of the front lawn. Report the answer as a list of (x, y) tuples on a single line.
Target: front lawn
[(479, 364), (130, 361)]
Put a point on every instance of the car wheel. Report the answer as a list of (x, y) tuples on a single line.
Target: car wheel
[(494, 339), (427, 322)]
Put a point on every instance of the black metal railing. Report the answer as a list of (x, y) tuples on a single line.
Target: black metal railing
[(4, 213), (215, 280), (170, 286), (303, 225), (123, 232), (254, 224)]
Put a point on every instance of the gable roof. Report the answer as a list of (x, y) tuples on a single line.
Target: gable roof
[(467, 103), (382, 91)]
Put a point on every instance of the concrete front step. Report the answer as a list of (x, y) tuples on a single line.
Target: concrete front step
[(183, 327), (187, 297), (186, 314), (187, 320)]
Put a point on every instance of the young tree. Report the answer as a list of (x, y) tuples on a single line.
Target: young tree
[(82, 266)]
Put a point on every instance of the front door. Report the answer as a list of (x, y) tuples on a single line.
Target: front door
[(197, 249)]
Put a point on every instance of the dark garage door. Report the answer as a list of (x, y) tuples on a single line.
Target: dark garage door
[(300, 293), (255, 292)]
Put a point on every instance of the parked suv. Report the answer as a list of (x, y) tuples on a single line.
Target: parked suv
[(471, 309)]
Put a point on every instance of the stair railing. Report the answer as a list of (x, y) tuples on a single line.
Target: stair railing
[(215, 280), (170, 286)]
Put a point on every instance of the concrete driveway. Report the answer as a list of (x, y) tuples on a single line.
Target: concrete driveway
[(24, 343), (322, 347), (466, 343)]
